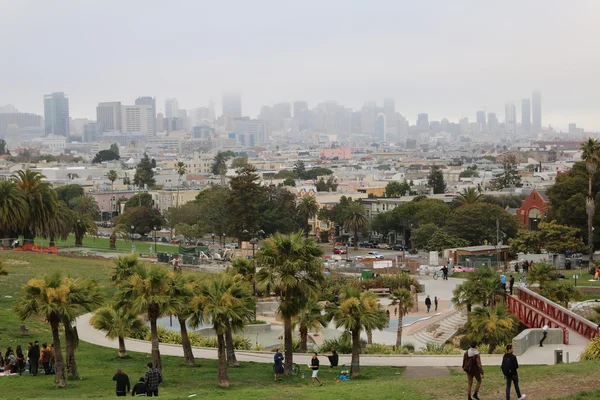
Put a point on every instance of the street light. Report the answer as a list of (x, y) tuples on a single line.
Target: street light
[(213, 238), (155, 249), (132, 227), (223, 238)]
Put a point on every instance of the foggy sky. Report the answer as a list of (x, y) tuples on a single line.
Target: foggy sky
[(447, 58)]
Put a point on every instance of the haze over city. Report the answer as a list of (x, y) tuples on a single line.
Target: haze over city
[(447, 59)]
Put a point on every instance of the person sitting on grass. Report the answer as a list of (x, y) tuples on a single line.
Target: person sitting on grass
[(334, 359), (140, 388), (314, 365)]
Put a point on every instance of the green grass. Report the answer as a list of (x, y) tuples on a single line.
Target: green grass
[(249, 381)]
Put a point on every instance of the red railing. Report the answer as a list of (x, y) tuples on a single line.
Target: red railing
[(536, 311)]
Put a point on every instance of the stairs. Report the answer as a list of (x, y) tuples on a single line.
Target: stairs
[(448, 325)]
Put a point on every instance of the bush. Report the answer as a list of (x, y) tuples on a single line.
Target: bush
[(592, 351), (409, 346), (257, 322), (340, 344), (440, 349), (378, 348), (196, 339)]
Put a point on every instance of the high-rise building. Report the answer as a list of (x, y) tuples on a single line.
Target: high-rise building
[(281, 111), (510, 119), (137, 119), (250, 132), (20, 120), (56, 114), (389, 108), (423, 122), (92, 132), (232, 105), (160, 122), (8, 109), (171, 108), (492, 122), (536, 111), (380, 127), (108, 114), (526, 115), (481, 120), (148, 101), (464, 126), (301, 114), (368, 113)]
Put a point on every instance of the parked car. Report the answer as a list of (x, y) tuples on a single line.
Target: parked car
[(375, 254), (383, 246), (339, 250), (367, 245), (231, 245), (398, 247)]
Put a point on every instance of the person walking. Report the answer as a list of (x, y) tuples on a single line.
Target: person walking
[(278, 365), (334, 359), (435, 302), (123, 385), (153, 379), (503, 282), (511, 284), (45, 359), (472, 366), (428, 303), (20, 360), (509, 369), (314, 365), (140, 388)]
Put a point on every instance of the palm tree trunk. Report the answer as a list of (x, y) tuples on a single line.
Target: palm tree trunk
[(303, 339), (355, 367), (231, 359), (399, 332), (70, 339), (188, 355), (369, 336), (60, 379), (289, 346), (590, 208), (122, 349), (51, 244), (355, 238), (222, 363), (78, 238), (28, 236), (154, 339)]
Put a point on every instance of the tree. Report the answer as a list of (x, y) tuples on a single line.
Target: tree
[(118, 323), (403, 299), (139, 200), (441, 240), (144, 175), (492, 326), (147, 291), (191, 233), (541, 272), (112, 177), (328, 185), (307, 209), (239, 162), (245, 200), (310, 317), (114, 148), (278, 212), (464, 296), (435, 180), (61, 223), (562, 293), (3, 148), (358, 311), (289, 182), (383, 223), (300, 170), (397, 189), (181, 170), (105, 155), (591, 156), (420, 236), (355, 219), (85, 205), (526, 241), (558, 238), (468, 196), (219, 166), (291, 268), (285, 174), (13, 210), (41, 202), (67, 193), (316, 172), (477, 223), (125, 266), (469, 173), (142, 219), (183, 289), (509, 177), (213, 205)]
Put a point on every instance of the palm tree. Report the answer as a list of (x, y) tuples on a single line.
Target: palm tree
[(60, 224), (591, 155), (541, 272), (358, 311), (183, 288), (218, 300), (247, 269), (85, 209), (307, 209), (492, 325), (464, 296), (48, 298), (468, 196), (181, 170), (404, 301), (235, 321), (118, 323), (291, 267), (310, 317), (41, 202), (13, 210), (112, 177), (355, 219), (562, 292), (147, 291), (125, 267)]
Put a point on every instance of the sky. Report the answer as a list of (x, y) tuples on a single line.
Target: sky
[(446, 58)]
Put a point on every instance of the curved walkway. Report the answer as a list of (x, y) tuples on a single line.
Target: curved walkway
[(89, 334)]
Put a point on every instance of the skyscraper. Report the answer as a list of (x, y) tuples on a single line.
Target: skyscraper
[(492, 122), (510, 121), (148, 101), (368, 113), (108, 114), (232, 105), (380, 127), (301, 114), (481, 120), (137, 119), (171, 108), (536, 110), (389, 108), (525, 115), (56, 114)]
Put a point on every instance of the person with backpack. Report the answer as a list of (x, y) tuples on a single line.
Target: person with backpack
[(509, 369), (472, 366)]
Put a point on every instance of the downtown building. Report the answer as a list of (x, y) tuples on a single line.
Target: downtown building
[(56, 114)]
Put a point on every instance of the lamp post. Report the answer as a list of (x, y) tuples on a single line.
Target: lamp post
[(132, 239), (155, 249), (223, 239), (213, 238)]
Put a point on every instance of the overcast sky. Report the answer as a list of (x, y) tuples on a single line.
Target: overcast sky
[(447, 58)]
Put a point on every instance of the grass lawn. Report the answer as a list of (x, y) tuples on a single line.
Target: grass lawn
[(249, 381), (103, 244)]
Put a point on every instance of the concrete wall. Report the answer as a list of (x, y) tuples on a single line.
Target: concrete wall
[(532, 337), (267, 308)]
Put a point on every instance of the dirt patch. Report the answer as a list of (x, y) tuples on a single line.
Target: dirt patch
[(426, 372), (16, 262)]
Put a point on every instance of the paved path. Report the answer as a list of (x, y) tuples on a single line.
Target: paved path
[(534, 356)]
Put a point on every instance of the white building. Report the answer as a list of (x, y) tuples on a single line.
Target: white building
[(137, 119)]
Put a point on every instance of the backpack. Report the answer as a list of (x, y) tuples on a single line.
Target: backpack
[(469, 363), (506, 366)]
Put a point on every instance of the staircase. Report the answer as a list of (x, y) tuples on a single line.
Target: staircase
[(448, 325)]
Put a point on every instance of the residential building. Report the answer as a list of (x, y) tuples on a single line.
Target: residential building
[(526, 115), (149, 101), (56, 114), (108, 114), (165, 199), (232, 105), (536, 111)]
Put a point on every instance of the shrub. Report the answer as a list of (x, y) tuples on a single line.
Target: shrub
[(340, 344), (196, 339), (592, 351), (257, 322), (484, 348), (378, 348), (409, 346), (439, 349)]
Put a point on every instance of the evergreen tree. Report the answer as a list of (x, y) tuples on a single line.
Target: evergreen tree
[(435, 180), (115, 149), (246, 197), (144, 175), (510, 177)]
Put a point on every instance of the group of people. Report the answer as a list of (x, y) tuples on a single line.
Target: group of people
[(436, 302), (17, 361), (146, 386), (314, 365), (472, 366)]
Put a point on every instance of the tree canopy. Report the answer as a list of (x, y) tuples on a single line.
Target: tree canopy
[(105, 155), (435, 180), (144, 175)]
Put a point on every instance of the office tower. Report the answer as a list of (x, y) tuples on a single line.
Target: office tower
[(108, 114), (536, 111), (21, 120), (380, 126), (148, 101), (281, 111), (389, 108), (250, 132), (56, 114), (160, 122), (492, 122), (171, 108), (8, 109), (92, 132), (401, 126), (368, 113), (232, 105), (137, 119), (301, 114), (464, 126), (510, 119), (481, 120), (525, 115), (423, 123)]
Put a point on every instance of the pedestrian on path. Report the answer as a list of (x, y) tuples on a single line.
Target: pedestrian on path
[(445, 273), (123, 385), (511, 284), (314, 365), (153, 379), (428, 303), (509, 369), (472, 366), (435, 302), (503, 282)]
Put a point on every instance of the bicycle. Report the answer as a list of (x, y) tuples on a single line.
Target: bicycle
[(437, 274), (295, 369)]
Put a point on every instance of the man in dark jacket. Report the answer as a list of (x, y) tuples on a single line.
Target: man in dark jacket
[(140, 388), (509, 369), (34, 355), (428, 303), (123, 385), (511, 284)]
